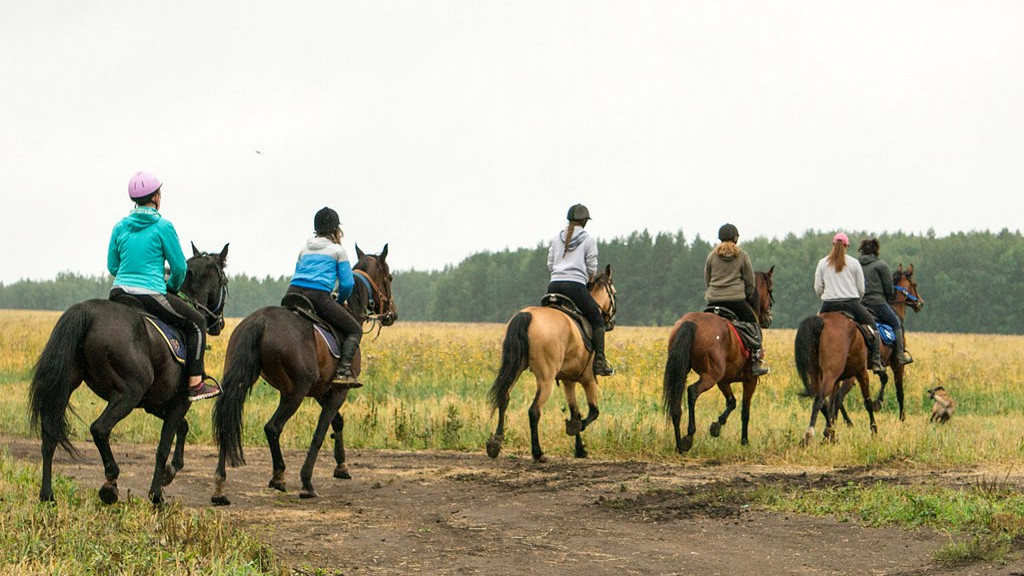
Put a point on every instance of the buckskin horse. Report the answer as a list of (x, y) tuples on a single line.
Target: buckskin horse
[(707, 344), (829, 349), (906, 295), (548, 342), (283, 347), (125, 360)]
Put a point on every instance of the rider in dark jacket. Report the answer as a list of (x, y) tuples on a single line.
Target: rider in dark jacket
[(878, 293)]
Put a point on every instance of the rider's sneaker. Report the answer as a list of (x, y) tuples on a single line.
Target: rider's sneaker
[(601, 367), (344, 378), (757, 368), (207, 388)]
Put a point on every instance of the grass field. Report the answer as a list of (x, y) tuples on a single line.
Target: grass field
[(427, 384)]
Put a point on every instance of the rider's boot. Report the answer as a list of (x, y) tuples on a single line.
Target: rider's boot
[(601, 366), (874, 356), (899, 351), (207, 388), (344, 377), (757, 366)]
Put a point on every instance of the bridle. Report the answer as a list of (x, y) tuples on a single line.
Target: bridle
[(379, 304), (909, 298), (214, 316), (609, 314)]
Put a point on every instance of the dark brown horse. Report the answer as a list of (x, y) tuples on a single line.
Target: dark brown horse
[(282, 347), (906, 295), (547, 341), (829, 349), (124, 360), (707, 344)]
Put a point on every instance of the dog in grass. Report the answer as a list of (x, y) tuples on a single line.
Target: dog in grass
[(943, 407)]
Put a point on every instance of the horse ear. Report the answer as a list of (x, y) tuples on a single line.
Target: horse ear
[(195, 251), (384, 252), (224, 254), (771, 270), (608, 271), (900, 267), (910, 268), (359, 253)]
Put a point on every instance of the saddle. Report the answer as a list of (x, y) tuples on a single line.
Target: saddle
[(171, 335), (868, 336), (746, 331), (565, 305), (302, 307)]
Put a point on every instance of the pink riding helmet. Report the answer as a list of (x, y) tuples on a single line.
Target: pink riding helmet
[(841, 237), (143, 184)]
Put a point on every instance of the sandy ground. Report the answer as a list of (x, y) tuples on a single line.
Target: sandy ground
[(457, 513)]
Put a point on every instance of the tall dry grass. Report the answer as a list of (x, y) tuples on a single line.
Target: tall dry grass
[(427, 385)]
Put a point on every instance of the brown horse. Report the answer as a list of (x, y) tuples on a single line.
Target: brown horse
[(707, 344), (125, 360), (547, 341), (906, 295), (282, 347), (829, 349)]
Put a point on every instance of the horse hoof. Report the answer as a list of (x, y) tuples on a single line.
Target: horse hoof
[(744, 442), (168, 477), (874, 429), (341, 472), (716, 429), (277, 485), (108, 493), (306, 493), (573, 427), (157, 500), (876, 405), (494, 447), (685, 444), (903, 417), (581, 454), (540, 458), (220, 500)]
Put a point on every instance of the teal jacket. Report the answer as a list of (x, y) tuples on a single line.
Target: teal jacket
[(139, 245)]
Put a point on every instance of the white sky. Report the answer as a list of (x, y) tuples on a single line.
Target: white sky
[(447, 128)]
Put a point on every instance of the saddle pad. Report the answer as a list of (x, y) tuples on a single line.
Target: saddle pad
[(171, 336), (887, 333), (329, 339), (586, 332), (743, 346)]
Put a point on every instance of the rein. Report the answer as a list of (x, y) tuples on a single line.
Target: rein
[(376, 299)]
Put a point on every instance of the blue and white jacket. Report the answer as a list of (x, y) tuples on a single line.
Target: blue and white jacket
[(321, 265)]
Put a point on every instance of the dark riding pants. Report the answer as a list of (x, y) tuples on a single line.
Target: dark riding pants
[(337, 316), (581, 297), (745, 312), (177, 313), (886, 315)]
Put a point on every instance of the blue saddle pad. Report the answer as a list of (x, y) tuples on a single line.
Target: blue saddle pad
[(171, 336), (329, 339), (887, 334)]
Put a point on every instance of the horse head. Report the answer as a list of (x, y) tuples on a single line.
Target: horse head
[(906, 288), (374, 269), (206, 286), (764, 295), (603, 291)]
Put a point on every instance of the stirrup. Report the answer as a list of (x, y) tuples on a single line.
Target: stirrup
[(343, 378)]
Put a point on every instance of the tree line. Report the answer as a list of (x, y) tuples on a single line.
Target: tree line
[(970, 281)]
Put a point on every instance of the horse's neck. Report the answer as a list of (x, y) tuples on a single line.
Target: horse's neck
[(358, 301), (900, 308)]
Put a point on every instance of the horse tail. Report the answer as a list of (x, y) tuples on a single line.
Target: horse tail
[(678, 364), (242, 367), (54, 377), (515, 355), (805, 349)]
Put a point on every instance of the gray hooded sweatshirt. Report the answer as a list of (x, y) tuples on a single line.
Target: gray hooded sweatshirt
[(575, 263)]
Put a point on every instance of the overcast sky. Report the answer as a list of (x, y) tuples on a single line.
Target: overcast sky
[(446, 128)]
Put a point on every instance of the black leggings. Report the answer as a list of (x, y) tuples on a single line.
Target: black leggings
[(581, 297), (741, 308), (853, 306), (177, 313), (335, 314)]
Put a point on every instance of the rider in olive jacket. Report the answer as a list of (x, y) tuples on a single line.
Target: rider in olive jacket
[(878, 293)]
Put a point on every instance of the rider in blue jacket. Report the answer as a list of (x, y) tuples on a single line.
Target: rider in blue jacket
[(139, 245), (323, 264)]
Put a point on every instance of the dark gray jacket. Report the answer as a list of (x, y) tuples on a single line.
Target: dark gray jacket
[(877, 281)]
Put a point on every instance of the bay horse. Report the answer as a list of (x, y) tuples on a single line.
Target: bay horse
[(906, 295), (126, 361), (707, 344), (549, 343), (282, 347), (829, 349)]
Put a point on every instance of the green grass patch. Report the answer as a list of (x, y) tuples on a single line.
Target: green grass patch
[(80, 535)]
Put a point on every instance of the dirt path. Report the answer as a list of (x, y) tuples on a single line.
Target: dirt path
[(456, 513)]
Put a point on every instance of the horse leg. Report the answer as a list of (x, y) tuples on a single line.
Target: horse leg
[(730, 405), (817, 406), (865, 391), (496, 439), (897, 373), (46, 488), (285, 409), (171, 427), (120, 406), (544, 386), (329, 409), (590, 387), (573, 424), (844, 390), (703, 384), (338, 425), (749, 386), (178, 459)]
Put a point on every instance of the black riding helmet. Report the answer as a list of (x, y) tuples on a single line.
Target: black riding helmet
[(728, 232), (326, 221), (578, 212)]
